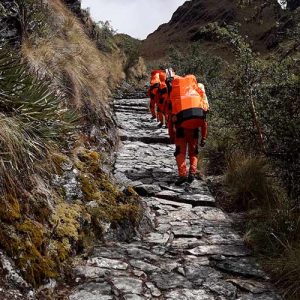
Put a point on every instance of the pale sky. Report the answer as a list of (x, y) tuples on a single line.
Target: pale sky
[(137, 18)]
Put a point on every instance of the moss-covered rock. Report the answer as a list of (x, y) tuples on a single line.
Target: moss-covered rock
[(9, 208)]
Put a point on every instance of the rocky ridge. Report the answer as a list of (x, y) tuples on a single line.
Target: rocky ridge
[(190, 252)]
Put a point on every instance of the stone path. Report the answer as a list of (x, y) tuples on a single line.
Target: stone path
[(192, 253)]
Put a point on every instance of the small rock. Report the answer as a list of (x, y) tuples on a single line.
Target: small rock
[(228, 250), (221, 287), (107, 263), (128, 285), (168, 281), (251, 286), (189, 294), (146, 267), (153, 289), (239, 266), (147, 189)]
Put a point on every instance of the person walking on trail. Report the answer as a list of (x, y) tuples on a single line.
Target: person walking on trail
[(153, 92), (189, 106), (162, 100)]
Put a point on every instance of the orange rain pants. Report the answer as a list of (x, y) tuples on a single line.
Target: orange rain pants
[(187, 139), (153, 94), (163, 96)]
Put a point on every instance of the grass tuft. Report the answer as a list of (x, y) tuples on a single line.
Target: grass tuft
[(249, 183)]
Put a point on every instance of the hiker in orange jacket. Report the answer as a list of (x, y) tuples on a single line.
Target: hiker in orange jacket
[(189, 106), (162, 100), (153, 92)]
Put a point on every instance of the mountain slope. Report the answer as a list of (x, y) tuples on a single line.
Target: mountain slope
[(191, 23)]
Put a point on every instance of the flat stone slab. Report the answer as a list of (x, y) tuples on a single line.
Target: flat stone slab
[(239, 266), (193, 199), (221, 287), (92, 291), (144, 266), (189, 294), (252, 286), (128, 285), (187, 231), (147, 189), (108, 263), (227, 250), (169, 281), (159, 201)]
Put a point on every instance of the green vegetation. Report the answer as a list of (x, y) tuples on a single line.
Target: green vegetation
[(131, 48), (31, 117), (53, 94), (254, 140)]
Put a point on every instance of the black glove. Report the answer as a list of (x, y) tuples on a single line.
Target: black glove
[(202, 143)]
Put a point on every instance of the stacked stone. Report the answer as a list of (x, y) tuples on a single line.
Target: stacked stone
[(192, 251)]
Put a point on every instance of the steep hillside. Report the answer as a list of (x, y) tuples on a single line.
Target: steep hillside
[(58, 137), (193, 21)]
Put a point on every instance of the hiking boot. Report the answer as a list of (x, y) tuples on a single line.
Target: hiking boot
[(160, 125), (180, 181), (191, 178), (153, 117)]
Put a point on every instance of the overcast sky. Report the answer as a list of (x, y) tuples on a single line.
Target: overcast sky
[(137, 18)]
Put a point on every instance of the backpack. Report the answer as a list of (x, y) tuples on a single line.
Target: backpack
[(187, 100)]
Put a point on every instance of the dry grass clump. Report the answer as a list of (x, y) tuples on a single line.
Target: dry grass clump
[(273, 220), (66, 55), (286, 271), (249, 183)]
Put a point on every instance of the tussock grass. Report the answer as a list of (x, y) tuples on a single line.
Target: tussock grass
[(220, 145), (67, 56), (286, 271), (274, 235), (250, 184), (273, 222)]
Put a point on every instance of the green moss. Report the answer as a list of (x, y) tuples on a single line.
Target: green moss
[(65, 220), (89, 188), (9, 208), (60, 250), (87, 160), (34, 231), (34, 265)]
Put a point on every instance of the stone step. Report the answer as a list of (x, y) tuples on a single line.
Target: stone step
[(193, 199), (124, 108), (145, 139)]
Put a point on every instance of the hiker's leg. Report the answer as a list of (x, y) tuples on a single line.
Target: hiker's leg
[(180, 153), (192, 139)]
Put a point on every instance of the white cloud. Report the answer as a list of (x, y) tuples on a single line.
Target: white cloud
[(135, 17)]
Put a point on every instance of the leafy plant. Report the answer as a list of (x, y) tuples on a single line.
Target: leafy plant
[(31, 116)]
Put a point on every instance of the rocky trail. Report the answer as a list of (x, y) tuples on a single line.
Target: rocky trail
[(191, 253)]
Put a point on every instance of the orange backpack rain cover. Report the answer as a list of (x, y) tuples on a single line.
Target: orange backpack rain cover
[(188, 103)]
